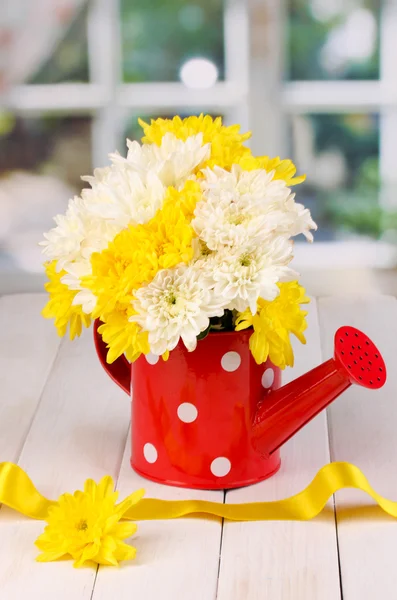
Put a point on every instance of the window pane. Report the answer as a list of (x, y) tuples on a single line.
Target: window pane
[(69, 60), (340, 156), (159, 38), (333, 39), (41, 161)]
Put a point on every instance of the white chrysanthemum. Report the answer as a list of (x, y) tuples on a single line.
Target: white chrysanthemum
[(72, 242), (293, 219), (132, 189), (129, 191), (224, 223), (175, 305), (246, 208), (123, 196), (240, 277), (255, 187), (173, 161), (76, 236)]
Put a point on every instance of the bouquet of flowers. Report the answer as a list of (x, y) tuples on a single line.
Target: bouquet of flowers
[(190, 233)]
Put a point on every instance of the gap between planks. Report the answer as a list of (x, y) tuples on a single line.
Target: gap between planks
[(362, 431), (285, 560), (176, 558), (378, 460), (28, 349), (79, 431), (324, 357)]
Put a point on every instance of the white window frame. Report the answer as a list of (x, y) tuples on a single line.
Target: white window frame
[(109, 100), (254, 48), (269, 95)]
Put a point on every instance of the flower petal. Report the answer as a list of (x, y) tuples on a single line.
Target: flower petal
[(132, 499), (124, 530), (50, 556)]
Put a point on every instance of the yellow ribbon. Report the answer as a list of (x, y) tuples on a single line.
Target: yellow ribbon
[(18, 492)]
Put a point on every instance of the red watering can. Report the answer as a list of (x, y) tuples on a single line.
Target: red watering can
[(214, 419)]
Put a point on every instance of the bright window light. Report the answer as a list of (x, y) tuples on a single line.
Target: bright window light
[(199, 73), (353, 41)]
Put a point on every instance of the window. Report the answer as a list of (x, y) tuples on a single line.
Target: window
[(340, 155), (342, 112), (69, 59), (41, 161), (313, 79), (333, 40), (83, 97), (181, 30)]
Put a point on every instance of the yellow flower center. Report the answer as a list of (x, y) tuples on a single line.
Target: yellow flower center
[(237, 219), (205, 251), (245, 260), (171, 298), (82, 525)]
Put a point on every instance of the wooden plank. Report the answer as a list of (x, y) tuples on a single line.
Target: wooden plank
[(79, 431), (285, 560), (28, 346), (363, 426), (175, 559)]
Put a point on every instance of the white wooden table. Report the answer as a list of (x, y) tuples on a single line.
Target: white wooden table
[(63, 420)]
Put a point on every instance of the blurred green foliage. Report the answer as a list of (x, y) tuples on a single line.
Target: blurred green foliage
[(354, 204), (307, 35), (361, 214), (159, 36), (356, 213), (357, 137)]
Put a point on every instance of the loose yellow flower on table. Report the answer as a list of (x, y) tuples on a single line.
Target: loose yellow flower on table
[(72, 521), (86, 526), (273, 323)]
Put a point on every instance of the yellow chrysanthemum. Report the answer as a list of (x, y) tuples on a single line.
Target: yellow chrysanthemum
[(133, 259), (226, 142), (137, 253), (60, 307), (185, 199), (274, 322), (123, 337), (86, 526), (283, 169)]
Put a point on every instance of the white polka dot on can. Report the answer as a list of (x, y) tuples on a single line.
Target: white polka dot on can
[(152, 359), (150, 453), (187, 412), (220, 466), (231, 361), (268, 378)]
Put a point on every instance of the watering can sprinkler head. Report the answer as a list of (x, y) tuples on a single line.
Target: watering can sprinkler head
[(285, 411)]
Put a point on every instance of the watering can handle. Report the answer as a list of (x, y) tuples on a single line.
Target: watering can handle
[(120, 369)]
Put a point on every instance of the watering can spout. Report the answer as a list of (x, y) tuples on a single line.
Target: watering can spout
[(286, 410)]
